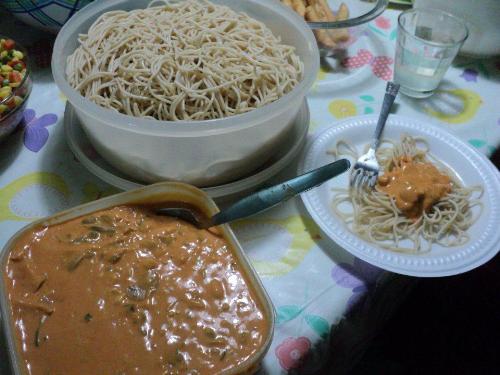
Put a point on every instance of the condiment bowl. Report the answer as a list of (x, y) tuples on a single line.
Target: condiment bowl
[(203, 153)]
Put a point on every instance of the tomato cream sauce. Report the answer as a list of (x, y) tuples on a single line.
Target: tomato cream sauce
[(414, 186), (123, 291)]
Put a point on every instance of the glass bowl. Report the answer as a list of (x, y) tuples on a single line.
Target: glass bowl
[(14, 104), (349, 18)]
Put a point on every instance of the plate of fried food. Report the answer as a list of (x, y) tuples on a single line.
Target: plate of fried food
[(336, 23), (320, 11), (342, 34), (434, 211)]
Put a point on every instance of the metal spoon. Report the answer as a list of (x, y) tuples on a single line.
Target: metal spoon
[(261, 200)]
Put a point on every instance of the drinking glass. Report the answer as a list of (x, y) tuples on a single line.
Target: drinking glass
[(428, 41)]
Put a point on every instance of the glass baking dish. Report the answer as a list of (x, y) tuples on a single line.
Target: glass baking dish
[(152, 194)]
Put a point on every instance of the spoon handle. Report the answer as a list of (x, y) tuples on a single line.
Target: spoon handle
[(270, 197)]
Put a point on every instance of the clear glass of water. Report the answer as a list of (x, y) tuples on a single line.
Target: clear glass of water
[(428, 41)]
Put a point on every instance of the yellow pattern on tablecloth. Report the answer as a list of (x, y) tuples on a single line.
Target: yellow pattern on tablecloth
[(302, 230), (8, 192)]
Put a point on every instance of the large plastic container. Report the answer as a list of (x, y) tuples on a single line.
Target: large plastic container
[(152, 194), (203, 153)]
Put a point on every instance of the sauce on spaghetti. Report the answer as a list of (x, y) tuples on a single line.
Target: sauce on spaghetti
[(414, 186), (124, 291)]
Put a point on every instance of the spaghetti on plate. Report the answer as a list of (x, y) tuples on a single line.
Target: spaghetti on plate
[(417, 202)]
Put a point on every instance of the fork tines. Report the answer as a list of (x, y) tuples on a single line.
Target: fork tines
[(361, 176)]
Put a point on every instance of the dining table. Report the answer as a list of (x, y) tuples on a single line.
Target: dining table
[(329, 304)]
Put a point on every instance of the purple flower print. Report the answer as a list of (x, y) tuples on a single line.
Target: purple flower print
[(358, 276), (36, 134), (470, 75)]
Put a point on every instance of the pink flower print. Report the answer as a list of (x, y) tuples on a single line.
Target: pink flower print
[(383, 22), (292, 352), (381, 65)]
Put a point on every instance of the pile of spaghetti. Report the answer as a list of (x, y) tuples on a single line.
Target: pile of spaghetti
[(187, 60), (438, 210)]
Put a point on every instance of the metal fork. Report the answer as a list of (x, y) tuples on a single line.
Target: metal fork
[(366, 169)]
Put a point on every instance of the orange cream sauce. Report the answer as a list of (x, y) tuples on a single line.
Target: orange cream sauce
[(123, 291), (414, 186)]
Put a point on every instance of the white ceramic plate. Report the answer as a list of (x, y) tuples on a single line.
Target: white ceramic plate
[(88, 156), (470, 166)]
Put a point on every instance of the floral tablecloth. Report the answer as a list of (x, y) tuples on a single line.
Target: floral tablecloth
[(313, 283)]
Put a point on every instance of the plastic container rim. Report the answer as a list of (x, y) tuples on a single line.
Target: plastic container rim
[(183, 128)]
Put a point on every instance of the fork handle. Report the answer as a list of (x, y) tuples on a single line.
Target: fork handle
[(270, 197), (391, 91)]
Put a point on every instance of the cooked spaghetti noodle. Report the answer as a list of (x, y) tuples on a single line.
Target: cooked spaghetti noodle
[(375, 216), (187, 60)]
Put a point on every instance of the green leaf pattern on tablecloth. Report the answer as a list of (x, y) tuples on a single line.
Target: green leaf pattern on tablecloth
[(482, 144), (286, 313), (477, 143), (367, 98), (318, 324), (377, 31), (393, 35)]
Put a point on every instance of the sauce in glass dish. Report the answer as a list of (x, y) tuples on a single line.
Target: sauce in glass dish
[(124, 291)]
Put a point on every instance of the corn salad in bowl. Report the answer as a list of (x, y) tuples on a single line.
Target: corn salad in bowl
[(15, 84)]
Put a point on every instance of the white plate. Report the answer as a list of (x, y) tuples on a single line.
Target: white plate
[(88, 156), (336, 78), (471, 167)]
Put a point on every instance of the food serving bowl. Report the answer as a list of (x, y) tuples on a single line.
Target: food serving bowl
[(44, 15), (12, 106), (157, 194), (338, 34), (203, 153)]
